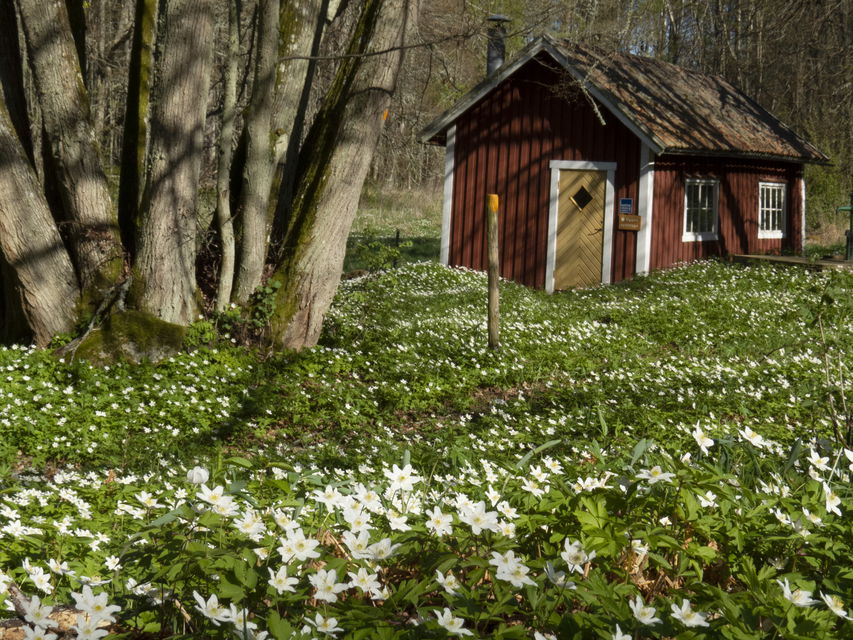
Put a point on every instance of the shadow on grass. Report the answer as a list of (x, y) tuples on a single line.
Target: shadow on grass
[(364, 251)]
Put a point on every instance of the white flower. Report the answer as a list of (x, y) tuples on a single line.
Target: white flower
[(148, 500), (687, 616), (516, 575), (821, 463), (357, 517), (753, 438), (453, 625), (41, 580), (478, 518), (835, 605), (493, 495), (357, 543), (211, 609), (798, 597), (439, 523), (558, 578), (364, 580), (638, 547), (326, 585), (575, 556), (534, 487), (402, 479), (619, 635), (644, 614), (383, 549), (702, 439), (35, 613), (330, 497), (37, 633), (198, 475), (325, 625), (95, 605), (297, 546), (88, 629), (709, 499), (832, 500), (281, 582), (655, 474), (449, 582)]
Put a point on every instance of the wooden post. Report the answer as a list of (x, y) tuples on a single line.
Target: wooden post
[(494, 269)]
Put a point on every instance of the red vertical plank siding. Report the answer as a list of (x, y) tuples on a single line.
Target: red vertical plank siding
[(737, 207)]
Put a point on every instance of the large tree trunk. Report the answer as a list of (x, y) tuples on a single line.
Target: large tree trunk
[(338, 150), (37, 270), (164, 273), (67, 123), (259, 167)]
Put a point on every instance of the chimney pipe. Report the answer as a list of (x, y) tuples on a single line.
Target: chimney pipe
[(496, 50)]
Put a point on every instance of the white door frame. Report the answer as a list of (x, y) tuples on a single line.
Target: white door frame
[(607, 241)]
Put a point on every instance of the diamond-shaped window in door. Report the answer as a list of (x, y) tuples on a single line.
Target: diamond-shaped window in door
[(582, 198)]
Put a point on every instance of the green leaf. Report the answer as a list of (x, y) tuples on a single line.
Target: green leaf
[(639, 449), (240, 462), (278, 627)]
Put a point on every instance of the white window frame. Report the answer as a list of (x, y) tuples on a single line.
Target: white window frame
[(713, 233), (783, 210)]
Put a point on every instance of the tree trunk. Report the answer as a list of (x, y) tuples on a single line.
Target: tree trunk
[(339, 150), (302, 28), (12, 78), (133, 149), (38, 269), (226, 153), (259, 166), (67, 123), (164, 273)]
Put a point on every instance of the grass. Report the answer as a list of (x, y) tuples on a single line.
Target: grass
[(683, 439), (393, 228)]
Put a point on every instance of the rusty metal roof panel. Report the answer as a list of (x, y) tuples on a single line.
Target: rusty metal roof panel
[(685, 111)]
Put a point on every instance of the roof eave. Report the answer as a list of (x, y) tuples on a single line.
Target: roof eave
[(746, 155)]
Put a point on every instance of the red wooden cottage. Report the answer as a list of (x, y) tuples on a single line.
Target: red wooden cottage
[(611, 165)]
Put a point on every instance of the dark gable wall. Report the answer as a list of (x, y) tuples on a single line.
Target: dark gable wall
[(504, 144), (738, 208)]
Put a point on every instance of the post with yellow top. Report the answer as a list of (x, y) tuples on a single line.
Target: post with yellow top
[(494, 269)]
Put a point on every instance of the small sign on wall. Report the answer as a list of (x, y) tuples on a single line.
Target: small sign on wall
[(629, 222), (626, 205)]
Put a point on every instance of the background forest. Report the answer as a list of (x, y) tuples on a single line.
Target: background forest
[(179, 157)]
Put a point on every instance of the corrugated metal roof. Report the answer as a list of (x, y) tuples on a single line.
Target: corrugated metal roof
[(673, 109)]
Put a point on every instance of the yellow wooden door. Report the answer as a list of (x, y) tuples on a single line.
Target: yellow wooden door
[(580, 228)]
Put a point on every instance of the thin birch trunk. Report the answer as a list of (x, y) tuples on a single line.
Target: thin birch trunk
[(226, 154), (259, 167), (134, 136)]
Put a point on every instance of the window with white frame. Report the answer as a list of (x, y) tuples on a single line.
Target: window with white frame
[(700, 210), (771, 209)]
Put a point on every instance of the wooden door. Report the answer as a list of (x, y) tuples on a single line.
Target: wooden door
[(580, 228)]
